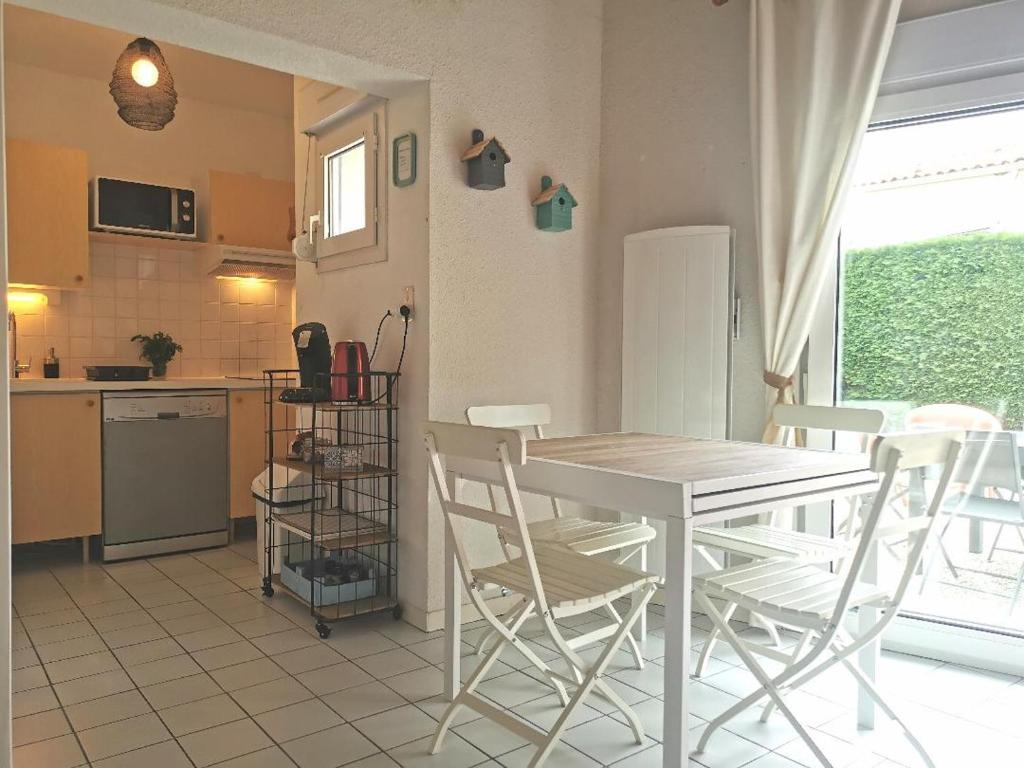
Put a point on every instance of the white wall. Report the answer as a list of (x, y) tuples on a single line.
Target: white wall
[(675, 150), (350, 302)]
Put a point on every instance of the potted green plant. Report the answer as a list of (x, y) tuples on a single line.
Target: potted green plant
[(159, 349)]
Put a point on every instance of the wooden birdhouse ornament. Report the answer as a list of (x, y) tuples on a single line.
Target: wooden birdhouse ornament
[(485, 161), (554, 206)]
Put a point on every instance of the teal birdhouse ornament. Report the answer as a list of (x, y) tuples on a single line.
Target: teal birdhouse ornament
[(554, 206)]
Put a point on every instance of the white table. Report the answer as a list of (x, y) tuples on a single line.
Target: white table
[(685, 482)]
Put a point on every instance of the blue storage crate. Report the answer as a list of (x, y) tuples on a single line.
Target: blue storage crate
[(327, 594)]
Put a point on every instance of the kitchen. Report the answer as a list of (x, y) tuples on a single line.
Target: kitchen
[(153, 250), (86, 278), (152, 260)]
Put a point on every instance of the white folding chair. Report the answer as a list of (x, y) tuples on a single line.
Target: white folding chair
[(989, 476), (554, 583), (764, 540), (809, 597), (586, 537)]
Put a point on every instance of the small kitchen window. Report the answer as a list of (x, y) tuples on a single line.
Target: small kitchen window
[(348, 186), (345, 190)]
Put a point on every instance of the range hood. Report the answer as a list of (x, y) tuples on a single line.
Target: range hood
[(239, 261)]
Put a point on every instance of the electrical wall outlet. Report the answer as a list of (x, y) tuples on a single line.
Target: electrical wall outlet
[(409, 299)]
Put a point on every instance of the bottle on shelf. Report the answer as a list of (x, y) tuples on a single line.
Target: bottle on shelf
[(51, 366)]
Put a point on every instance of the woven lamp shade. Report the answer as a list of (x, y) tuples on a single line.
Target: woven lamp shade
[(147, 108)]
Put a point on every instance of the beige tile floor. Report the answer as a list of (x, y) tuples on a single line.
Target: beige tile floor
[(178, 661)]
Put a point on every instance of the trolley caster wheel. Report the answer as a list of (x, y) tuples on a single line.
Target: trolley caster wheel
[(396, 612), (323, 630), (268, 591)]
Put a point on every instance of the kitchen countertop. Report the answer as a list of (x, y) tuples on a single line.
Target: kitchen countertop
[(37, 386)]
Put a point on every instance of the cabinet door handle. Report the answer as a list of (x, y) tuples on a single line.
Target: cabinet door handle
[(90, 403), (79, 278)]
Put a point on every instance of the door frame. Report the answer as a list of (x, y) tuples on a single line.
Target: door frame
[(5, 450), (979, 64)]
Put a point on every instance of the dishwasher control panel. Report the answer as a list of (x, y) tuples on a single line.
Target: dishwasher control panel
[(136, 406)]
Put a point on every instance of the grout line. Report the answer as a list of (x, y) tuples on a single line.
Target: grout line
[(233, 699), (125, 670), (343, 659), (136, 688), (53, 690)]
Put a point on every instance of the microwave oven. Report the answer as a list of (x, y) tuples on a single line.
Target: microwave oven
[(143, 209)]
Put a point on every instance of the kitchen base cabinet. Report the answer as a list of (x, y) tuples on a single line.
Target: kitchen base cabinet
[(55, 467), (247, 444)]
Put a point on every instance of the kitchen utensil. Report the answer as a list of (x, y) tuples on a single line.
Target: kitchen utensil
[(117, 372), (313, 350), (350, 381)]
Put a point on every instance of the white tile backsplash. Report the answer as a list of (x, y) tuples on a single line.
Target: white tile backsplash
[(102, 306), (80, 326), (226, 327)]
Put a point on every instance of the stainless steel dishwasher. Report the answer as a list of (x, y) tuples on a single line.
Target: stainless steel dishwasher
[(165, 472)]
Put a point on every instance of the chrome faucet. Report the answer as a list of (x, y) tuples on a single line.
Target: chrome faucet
[(17, 367)]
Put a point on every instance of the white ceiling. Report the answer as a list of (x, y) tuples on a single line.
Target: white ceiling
[(72, 47)]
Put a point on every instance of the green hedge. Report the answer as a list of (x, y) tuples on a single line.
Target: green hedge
[(937, 321)]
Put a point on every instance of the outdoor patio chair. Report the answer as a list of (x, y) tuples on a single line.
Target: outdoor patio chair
[(989, 476)]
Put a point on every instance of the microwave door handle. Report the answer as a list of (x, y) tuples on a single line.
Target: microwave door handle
[(175, 224)]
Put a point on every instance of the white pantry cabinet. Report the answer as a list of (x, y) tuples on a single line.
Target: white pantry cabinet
[(677, 311)]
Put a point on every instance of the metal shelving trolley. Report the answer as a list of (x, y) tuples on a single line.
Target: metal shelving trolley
[(329, 533)]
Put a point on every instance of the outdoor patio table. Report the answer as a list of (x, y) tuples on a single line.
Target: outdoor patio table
[(685, 482)]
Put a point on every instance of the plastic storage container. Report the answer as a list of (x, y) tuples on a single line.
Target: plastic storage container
[(296, 576), (291, 490)]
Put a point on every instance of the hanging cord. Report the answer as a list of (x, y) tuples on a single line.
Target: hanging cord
[(376, 339), (406, 313), (305, 187)]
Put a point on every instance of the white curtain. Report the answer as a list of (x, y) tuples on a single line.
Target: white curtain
[(815, 66)]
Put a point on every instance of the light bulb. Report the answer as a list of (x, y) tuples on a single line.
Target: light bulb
[(144, 72)]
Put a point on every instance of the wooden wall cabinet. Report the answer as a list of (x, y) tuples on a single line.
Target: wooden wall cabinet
[(47, 215), (251, 211), (55, 467)]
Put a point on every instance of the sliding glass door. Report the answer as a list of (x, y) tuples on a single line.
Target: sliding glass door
[(930, 329)]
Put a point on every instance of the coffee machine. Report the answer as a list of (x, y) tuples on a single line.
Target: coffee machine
[(313, 350)]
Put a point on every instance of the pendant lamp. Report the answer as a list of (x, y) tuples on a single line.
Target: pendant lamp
[(142, 86)]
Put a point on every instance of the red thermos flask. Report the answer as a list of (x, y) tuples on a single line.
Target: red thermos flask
[(350, 380)]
